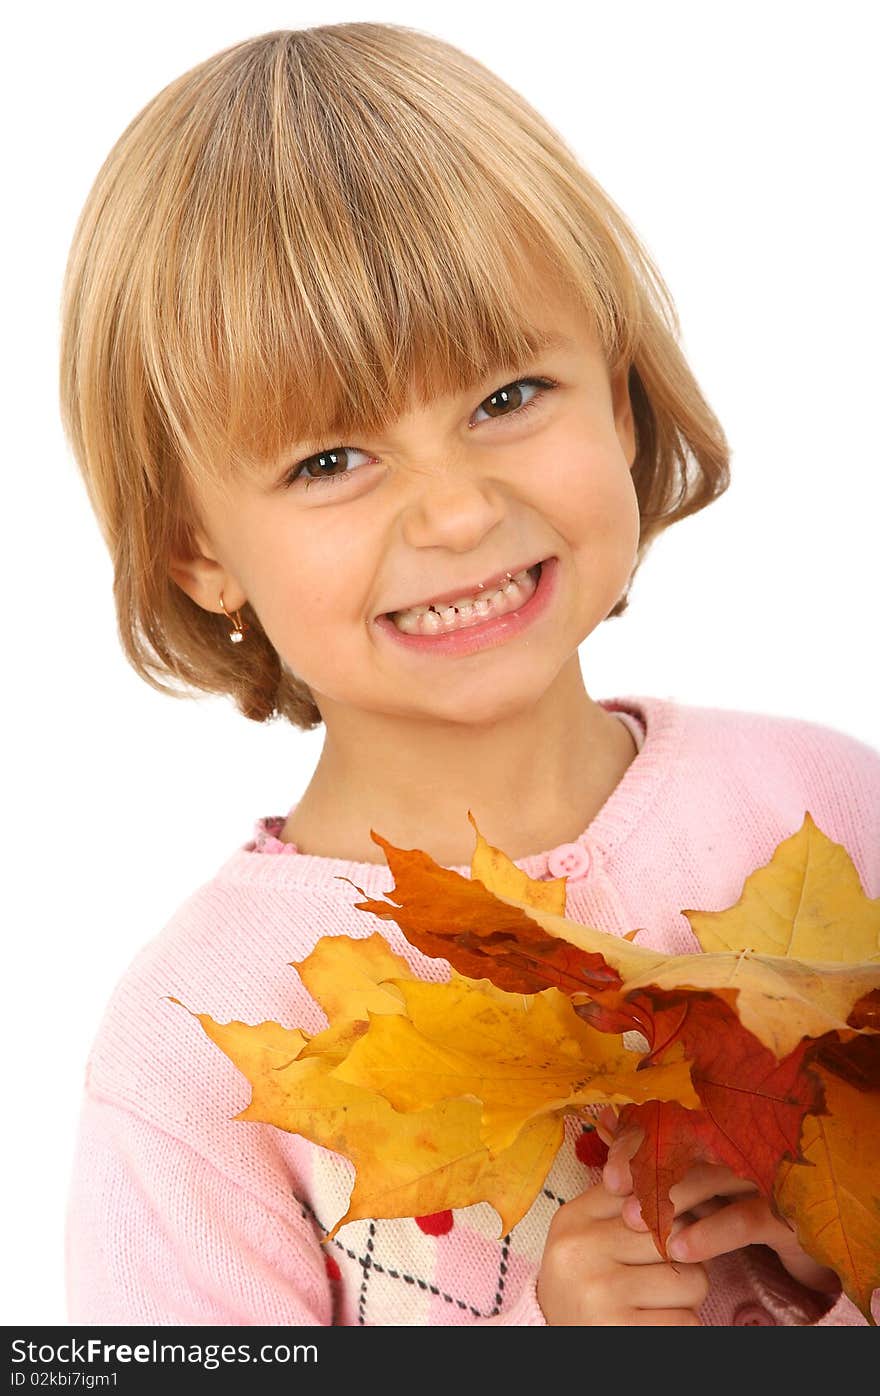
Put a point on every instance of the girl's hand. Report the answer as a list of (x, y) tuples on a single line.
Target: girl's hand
[(597, 1270), (711, 1223)]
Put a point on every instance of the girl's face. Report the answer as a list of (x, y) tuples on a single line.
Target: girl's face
[(451, 493)]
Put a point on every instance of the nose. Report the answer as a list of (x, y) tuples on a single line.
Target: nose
[(452, 510)]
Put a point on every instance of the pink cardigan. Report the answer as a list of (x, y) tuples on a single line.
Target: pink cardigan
[(180, 1214)]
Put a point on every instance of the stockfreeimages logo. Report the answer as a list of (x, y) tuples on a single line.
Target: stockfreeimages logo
[(96, 1352)]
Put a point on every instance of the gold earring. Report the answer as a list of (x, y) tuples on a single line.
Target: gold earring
[(236, 635)]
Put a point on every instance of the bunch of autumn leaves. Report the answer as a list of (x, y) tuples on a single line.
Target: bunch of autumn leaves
[(761, 1054)]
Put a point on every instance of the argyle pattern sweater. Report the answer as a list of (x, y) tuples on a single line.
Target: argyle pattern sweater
[(178, 1213)]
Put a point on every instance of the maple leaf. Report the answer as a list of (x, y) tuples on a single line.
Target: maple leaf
[(807, 902), (264, 1046), (519, 1059), (449, 916), (350, 978), (437, 1157), (753, 1105), (830, 1194), (406, 1165), (855, 1059)]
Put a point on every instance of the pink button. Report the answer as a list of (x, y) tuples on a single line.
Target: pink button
[(570, 860), (753, 1316)]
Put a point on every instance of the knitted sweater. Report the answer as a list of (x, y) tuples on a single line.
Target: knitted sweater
[(180, 1214)]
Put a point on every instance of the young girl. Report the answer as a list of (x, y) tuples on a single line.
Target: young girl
[(379, 403)]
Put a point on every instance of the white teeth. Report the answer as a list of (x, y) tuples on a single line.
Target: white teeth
[(456, 615), (460, 601)]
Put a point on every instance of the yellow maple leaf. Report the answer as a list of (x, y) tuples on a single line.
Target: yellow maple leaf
[(830, 1194), (258, 1047), (348, 977), (406, 1165), (492, 867), (520, 1059), (806, 903)]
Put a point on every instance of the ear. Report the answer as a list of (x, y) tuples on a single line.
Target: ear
[(624, 421), (205, 579)]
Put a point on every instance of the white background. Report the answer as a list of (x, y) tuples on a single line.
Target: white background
[(740, 140)]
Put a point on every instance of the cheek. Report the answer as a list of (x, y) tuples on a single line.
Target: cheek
[(594, 497), (305, 586), (598, 516)]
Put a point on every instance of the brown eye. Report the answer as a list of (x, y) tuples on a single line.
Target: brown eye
[(508, 400), (508, 396), (325, 467), (327, 463)]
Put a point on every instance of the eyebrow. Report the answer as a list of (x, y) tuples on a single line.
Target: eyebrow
[(543, 340)]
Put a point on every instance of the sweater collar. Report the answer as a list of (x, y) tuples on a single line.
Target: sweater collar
[(623, 811)]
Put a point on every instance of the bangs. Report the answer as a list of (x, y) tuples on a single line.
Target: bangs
[(364, 370), (320, 265)]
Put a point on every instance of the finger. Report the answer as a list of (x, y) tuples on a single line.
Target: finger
[(759, 1225), (664, 1286), (701, 1184), (703, 1209), (745, 1223), (630, 1247), (606, 1124), (595, 1203), (616, 1174), (705, 1181), (632, 1212)]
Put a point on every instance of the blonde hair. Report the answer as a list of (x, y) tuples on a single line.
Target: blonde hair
[(293, 236)]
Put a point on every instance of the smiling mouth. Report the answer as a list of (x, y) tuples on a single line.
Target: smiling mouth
[(491, 589), (435, 622)]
